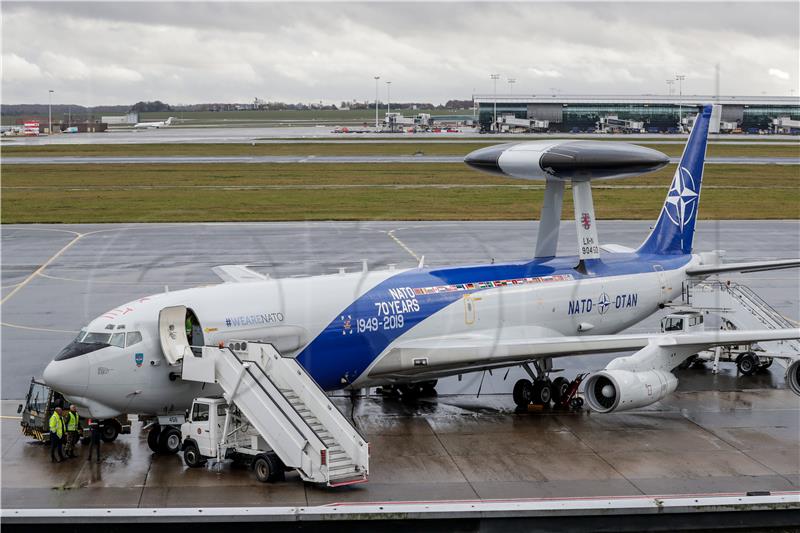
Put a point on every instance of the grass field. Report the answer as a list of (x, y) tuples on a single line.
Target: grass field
[(344, 149), (191, 193)]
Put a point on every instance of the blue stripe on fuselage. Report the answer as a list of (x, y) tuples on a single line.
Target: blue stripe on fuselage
[(347, 346)]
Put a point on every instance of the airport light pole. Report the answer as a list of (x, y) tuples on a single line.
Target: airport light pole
[(680, 78), (494, 78), (389, 104), (376, 101), (511, 82), (50, 111), (670, 87)]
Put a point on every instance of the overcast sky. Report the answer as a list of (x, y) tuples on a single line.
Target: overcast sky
[(119, 53)]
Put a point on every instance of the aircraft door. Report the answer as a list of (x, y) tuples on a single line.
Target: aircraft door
[(172, 332), (662, 279)]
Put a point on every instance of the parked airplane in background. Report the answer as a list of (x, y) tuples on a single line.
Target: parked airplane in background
[(149, 125), (410, 327)]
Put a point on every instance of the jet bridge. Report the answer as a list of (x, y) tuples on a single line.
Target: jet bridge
[(285, 405)]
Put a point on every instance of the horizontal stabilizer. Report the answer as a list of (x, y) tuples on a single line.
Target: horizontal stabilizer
[(757, 266), (238, 274), (616, 249)]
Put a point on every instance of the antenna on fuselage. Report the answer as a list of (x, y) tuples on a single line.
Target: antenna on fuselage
[(560, 162)]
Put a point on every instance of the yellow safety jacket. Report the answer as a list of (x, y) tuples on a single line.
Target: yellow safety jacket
[(56, 425), (72, 423)]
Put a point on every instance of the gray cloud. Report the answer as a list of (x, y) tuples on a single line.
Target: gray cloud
[(93, 53)]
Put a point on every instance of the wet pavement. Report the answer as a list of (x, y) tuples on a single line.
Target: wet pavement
[(456, 448), (718, 433)]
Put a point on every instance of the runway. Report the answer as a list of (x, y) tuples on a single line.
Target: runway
[(723, 433), (281, 159)]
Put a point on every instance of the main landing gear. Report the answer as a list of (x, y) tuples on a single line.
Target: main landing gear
[(541, 391)]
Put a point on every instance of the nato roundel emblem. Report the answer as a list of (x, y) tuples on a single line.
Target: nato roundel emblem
[(139, 358)]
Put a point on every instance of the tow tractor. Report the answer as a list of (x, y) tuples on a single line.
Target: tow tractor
[(39, 405), (216, 431)]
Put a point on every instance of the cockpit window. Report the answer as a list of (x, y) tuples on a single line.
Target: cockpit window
[(95, 338), (85, 342), (133, 338), (118, 340)]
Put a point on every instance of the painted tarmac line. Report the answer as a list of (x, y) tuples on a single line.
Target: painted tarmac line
[(33, 328), (402, 244), (41, 268)]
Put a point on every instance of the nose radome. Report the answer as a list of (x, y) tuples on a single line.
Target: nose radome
[(69, 377), (486, 159)]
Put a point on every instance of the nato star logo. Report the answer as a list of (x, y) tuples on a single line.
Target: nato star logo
[(681, 199), (602, 303)]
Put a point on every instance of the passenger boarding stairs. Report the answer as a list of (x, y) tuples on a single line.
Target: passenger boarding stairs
[(741, 308), (287, 407)]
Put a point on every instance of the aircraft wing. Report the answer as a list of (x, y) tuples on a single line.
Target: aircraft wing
[(440, 356), (758, 266), (238, 274)]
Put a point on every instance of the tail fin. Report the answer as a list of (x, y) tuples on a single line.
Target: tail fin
[(674, 230)]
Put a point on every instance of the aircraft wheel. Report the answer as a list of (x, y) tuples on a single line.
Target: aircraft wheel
[(169, 441), (410, 391), (192, 457), (429, 387), (560, 386), (523, 393), (542, 392), (747, 363), (152, 437)]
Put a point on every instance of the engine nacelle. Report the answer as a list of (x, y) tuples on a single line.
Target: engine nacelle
[(620, 390), (793, 377)]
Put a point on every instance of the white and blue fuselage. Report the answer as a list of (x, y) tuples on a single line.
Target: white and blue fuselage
[(344, 328)]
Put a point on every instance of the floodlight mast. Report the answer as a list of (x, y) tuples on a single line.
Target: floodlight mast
[(50, 111), (680, 78), (494, 78), (376, 101)]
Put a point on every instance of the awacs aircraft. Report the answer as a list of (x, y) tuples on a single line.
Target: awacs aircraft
[(410, 327), (155, 125)]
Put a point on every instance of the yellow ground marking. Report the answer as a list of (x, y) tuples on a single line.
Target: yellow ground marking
[(11, 417), (402, 244), (41, 268), (32, 328)]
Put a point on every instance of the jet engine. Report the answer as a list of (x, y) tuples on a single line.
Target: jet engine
[(793, 377), (620, 390)]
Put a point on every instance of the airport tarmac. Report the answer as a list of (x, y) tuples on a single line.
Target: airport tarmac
[(377, 159), (723, 433), (234, 134)]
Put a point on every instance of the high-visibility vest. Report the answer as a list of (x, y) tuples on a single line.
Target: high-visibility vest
[(72, 424), (56, 425)]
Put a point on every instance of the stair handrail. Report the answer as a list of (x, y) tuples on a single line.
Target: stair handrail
[(271, 382), (762, 304), (320, 389)]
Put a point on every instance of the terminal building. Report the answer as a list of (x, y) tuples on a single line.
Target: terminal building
[(656, 113)]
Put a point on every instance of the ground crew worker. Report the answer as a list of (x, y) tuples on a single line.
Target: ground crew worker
[(56, 435), (73, 427), (94, 441)]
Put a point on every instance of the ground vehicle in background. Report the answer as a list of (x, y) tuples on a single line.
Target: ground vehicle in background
[(38, 408)]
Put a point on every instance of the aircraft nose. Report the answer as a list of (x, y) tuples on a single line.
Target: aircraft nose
[(69, 377), (486, 159)]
